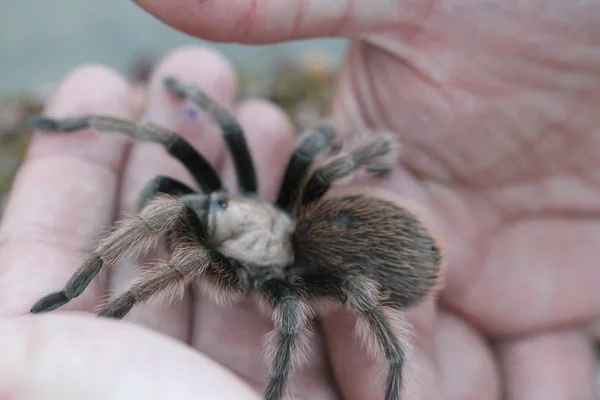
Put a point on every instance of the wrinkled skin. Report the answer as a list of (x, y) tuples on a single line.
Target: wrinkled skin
[(496, 104)]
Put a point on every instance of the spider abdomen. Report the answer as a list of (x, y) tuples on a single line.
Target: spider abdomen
[(371, 236)]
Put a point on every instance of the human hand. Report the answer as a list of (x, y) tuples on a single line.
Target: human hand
[(565, 348), (496, 106)]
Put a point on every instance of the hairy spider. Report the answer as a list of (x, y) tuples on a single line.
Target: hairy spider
[(303, 255)]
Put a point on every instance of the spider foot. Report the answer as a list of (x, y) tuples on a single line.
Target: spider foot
[(50, 302), (118, 308), (55, 124), (175, 87)]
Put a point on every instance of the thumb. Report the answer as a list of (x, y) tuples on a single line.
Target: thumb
[(73, 356), (254, 21)]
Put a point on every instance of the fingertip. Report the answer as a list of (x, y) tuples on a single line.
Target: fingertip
[(202, 19), (210, 71), (553, 364), (465, 361), (88, 87), (270, 126), (270, 110), (271, 21), (199, 65)]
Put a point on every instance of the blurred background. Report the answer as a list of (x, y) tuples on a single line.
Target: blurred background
[(41, 41)]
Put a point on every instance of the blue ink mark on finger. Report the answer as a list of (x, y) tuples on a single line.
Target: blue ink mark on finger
[(192, 113)]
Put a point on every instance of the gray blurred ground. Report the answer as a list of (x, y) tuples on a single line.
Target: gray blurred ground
[(41, 40)]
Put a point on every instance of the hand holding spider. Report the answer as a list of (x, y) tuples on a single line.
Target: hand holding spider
[(495, 294)]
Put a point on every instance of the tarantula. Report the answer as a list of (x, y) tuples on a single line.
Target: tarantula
[(303, 255)]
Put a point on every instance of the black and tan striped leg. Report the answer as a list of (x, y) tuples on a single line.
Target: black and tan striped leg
[(231, 128), (198, 166)]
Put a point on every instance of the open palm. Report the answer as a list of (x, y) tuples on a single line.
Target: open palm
[(496, 106)]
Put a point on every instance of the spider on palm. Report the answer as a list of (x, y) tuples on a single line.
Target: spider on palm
[(303, 255)]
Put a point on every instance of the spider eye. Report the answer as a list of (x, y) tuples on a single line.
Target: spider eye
[(222, 203)]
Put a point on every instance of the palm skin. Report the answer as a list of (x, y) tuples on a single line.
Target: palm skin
[(501, 132), (496, 104), (496, 107)]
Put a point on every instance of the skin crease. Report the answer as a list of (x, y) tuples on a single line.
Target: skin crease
[(517, 203)]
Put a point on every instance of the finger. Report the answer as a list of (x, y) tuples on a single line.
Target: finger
[(212, 72), (466, 363), (69, 357), (249, 21), (233, 335), (552, 365), (549, 277), (64, 195), (197, 65)]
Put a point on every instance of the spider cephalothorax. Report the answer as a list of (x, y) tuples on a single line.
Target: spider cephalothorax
[(358, 249)]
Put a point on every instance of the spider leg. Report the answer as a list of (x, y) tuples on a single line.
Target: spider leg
[(223, 282), (199, 167), (162, 185), (377, 332), (232, 130), (192, 257), (134, 235), (371, 156), (163, 279), (309, 146), (166, 281), (290, 317), (394, 354)]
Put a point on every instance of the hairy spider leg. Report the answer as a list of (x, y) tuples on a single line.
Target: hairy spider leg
[(198, 166), (371, 154), (192, 258), (374, 256), (290, 317), (133, 236), (162, 185), (168, 279), (377, 333), (231, 128), (308, 147)]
